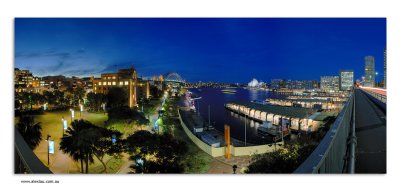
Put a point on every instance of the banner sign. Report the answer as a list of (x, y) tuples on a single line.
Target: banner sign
[(51, 147)]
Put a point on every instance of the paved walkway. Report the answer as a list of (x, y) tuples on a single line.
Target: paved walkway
[(371, 136), (223, 165)]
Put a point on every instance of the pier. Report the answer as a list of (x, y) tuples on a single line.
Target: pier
[(300, 119)]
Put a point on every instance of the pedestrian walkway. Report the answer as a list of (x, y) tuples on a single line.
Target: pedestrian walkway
[(371, 136), (223, 165)]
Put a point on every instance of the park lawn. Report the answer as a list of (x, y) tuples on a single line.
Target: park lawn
[(124, 127), (52, 125), (113, 165)]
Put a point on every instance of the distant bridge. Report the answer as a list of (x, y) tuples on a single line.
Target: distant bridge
[(173, 78)]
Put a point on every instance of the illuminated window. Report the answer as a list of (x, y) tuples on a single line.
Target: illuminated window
[(99, 83), (95, 88), (121, 83), (114, 83), (126, 82), (104, 83), (108, 83), (113, 77)]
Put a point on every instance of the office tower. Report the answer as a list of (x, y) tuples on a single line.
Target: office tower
[(369, 67), (346, 80)]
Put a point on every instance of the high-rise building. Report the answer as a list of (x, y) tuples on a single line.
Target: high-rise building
[(346, 80), (384, 68), (369, 75), (301, 84), (330, 83), (277, 83)]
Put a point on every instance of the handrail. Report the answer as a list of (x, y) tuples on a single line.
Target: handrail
[(30, 161), (352, 141), (329, 155)]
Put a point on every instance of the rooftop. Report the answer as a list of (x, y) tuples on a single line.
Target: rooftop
[(293, 112)]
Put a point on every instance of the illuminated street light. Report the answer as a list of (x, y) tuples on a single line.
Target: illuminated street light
[(72, 114), (50, 148), (64, 124), (81, 109)]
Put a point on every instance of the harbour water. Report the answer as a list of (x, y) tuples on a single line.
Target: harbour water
[(216, 98)]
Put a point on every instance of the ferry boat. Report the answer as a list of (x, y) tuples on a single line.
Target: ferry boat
[(229, 91)]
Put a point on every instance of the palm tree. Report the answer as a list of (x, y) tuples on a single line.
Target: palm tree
[(30, 131), (78, 142)]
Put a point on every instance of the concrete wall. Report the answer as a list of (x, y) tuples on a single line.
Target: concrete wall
[(214, 152), (251, 150), (220, 151)]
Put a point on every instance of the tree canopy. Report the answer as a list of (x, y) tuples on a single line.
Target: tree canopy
[(153, 153)]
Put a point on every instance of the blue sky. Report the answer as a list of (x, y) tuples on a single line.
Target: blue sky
[(207, 49)]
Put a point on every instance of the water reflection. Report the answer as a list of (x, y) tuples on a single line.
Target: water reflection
[(219, 116)]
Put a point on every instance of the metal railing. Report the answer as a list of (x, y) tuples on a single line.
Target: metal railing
[(330, 156), (378, 96), (25, 160)]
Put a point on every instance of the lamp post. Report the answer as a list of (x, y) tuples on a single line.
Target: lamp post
[(80, 109), (48, 150), (72, 114), (64, 124)]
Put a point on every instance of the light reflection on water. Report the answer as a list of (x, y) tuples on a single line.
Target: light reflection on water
[(220, 116)]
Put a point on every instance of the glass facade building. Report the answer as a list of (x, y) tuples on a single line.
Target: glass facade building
[(330, 83), (369, 75)]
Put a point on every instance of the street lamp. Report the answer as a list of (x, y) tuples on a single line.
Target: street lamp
[(72, 114), (81, 109), (64, 125), (48, 149)]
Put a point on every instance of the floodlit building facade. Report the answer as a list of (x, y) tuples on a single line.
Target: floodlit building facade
[(124, 78)]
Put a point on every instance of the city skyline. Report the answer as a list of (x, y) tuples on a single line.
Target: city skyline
[(274, 48)]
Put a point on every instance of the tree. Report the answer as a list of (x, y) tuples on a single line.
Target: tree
[(78, 142), (106, 145), (117, 97), (284, 160), (30, 131), (126, 113), (159, 153), (84, 140), (95, 101), (50, 97)]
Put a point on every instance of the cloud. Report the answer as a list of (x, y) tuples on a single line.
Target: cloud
[(80, 51), (47, 53)]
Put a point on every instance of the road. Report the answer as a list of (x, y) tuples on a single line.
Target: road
[(371, 136)]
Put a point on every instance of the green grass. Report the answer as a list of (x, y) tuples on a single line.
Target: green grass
[(113, 165), (124, 127), (52, 125)]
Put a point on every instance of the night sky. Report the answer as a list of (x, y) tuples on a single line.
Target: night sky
[(200, 49)]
